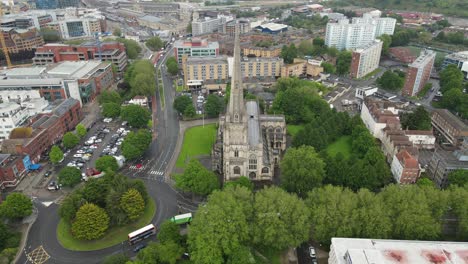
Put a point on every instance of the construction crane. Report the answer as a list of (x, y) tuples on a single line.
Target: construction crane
[(2, 42)]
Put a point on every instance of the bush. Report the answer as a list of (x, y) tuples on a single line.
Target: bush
[(91, 222)]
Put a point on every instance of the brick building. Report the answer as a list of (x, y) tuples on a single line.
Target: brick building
[(405, 168), (12, 169), (18, 40), (46, 130), (418, 73), (113, 52)]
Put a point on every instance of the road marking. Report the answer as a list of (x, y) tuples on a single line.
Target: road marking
[(156, 172), (38, 255), (60, 199)]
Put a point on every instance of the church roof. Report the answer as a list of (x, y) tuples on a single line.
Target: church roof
[(253, 125)]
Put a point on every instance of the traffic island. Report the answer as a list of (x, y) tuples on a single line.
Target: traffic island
[(113, 236)]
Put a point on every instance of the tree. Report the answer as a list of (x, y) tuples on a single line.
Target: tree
[(288, 53), (458, 177), (93, 192), (111, 110), (81, 130), (110, 97), (117, 32), (214, 105), (132, 47), (55, 155), (106, 163), (181, 103), (390, 81), (169, 231), (169, 252), (241, 181), (318, 42), (16, 205), (172, 66), (451, 78), (343, 62), (197, 179), (135, 144), (386, 41), (425, 182), (189, 28), (120, 258), (71, 204), (280, 219), (150, 254), (133, 204), (301, 170), (229, 214), (190, 111), (50, 35), (328, 67), (70, 140), (69, 176), (137, 116), (418, 120), (91, 222), (154, 43)]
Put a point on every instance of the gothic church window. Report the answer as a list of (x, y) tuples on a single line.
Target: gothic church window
[(252, 162), (236, 153), (237, 170), (265, 170)]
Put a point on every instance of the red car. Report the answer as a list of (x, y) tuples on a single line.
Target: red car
[(139, 165)]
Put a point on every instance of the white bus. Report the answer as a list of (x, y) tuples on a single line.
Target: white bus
[(142, 233)]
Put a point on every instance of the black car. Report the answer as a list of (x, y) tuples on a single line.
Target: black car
[(139, 247), (47, 174)]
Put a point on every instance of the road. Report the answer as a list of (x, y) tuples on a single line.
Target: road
[(42, 237)]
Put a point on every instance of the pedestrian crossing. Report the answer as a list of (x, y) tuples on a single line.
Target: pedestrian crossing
[(155, 172), (134, 167)]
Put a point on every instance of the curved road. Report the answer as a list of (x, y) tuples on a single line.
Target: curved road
[(155, 162)]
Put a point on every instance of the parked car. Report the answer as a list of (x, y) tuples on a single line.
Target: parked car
[(80, 151), (47, 174), (107, 120), (312, 253), (139, 247), (78, 155)]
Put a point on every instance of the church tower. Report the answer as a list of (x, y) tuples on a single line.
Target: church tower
[(236, 107)]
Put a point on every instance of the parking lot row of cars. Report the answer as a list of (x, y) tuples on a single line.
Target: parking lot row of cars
[(113, 148)]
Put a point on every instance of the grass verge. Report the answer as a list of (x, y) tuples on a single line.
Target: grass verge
[(369, 75), (293, 129), (343, 145), (197, 141), (112, 237)]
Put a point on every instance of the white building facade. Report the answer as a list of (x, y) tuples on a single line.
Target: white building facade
[(366, 59), (208, 25)]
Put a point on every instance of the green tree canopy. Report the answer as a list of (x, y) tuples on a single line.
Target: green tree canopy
[(343, 62), (181, 103), (241, 181), (301, 170), (417, 120), (111, 110), (386, 42), (117, 32), (172, 66), (214, 105), (55, 155), (93, 191), (70, 140), (458, 177), (197, 179), (190, 111), (132, 47), (451, 78), (120, 258), (91, 222), (137, 116), (281, 219), (135, 144), (50, 35), (391, 81), (70, 205), (81, 130), (106, 163), (69, 176), (154, 43), (328, 67), (169, 231), (16, 205), (289, 53), (110, 97), (133, 204)]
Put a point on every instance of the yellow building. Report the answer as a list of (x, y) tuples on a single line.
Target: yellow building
[(301, 67), (261, 67), (262, 52)]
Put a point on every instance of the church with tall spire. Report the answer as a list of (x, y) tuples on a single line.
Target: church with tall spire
[(248, 143)]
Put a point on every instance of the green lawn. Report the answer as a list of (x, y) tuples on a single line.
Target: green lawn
[(112, 237), (343, 145), (197, 141), (293, 129)]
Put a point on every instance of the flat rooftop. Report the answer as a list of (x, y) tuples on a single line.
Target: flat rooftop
[(380, 251), (26, 71), (76, 69), (211, 60)]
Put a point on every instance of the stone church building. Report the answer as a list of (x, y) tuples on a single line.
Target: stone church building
[(248, 143)]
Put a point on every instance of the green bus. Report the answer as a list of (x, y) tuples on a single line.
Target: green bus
[(182, 219)]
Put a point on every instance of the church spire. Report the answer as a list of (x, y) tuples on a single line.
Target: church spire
[(236, 107)]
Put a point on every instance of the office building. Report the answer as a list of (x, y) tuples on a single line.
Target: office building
[(21, 40), (366, 59), (82, 80), (195, 47), (77, 27), (14, 114), (359, 33), (33, 18), (418, 73), (229, 28), (54, 4), (270, 52), (208, 25), (448, 128), (380, 251), (113, 52), (460, 59), (47, 129), (260, 68)]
